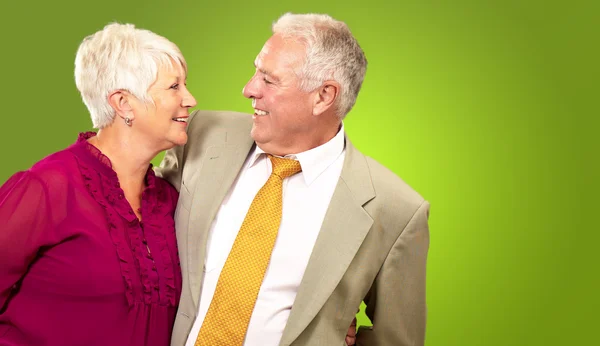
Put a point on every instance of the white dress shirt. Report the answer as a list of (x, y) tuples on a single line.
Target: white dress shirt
[(306, 197)]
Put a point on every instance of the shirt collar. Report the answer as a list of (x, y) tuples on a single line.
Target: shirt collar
[(314, 161)]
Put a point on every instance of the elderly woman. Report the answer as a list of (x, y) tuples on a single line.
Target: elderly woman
[(88, 253)]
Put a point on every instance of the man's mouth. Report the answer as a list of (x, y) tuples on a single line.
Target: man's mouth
[(260, 112)]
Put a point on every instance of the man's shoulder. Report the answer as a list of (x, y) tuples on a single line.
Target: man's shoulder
[(392, 201), (389, 185)]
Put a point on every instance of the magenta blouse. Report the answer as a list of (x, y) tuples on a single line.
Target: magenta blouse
[(76, 265)]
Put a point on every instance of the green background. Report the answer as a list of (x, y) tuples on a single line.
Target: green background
[(488, 109)]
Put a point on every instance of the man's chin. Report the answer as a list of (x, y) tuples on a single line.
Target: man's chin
[(255, 133)]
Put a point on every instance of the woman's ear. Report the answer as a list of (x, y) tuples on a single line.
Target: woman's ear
[(119, 101)]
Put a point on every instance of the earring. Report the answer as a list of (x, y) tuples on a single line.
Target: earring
[(127, 121)]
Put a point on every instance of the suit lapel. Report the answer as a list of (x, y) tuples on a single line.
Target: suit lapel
[(219, 167), (344, 228)]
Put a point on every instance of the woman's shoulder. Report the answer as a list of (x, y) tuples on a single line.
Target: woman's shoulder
[(59, 164), (53, 175), (48, 177)]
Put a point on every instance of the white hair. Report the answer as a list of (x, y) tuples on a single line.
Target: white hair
[(332, 53), (120, 57)]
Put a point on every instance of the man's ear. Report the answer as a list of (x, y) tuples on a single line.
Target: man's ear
[(120, 101), (325, 97)]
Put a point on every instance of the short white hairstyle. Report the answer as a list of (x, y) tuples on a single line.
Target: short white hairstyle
[(332, 53), (120, 57)]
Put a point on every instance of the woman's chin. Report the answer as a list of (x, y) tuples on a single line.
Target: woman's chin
[(174, 141), (181, 139)]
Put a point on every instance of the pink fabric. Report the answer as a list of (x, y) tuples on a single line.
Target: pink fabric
[(76, 265)]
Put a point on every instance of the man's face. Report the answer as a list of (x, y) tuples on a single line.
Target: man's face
[(282, 112)]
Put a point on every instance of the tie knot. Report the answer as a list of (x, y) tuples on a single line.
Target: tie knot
[(284, 167)]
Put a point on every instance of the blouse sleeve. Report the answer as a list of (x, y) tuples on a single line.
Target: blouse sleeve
[(25, 223)]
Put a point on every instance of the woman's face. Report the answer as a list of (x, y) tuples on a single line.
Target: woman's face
[(163, 125)]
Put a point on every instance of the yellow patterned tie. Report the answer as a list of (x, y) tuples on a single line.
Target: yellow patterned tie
[(229, 312)]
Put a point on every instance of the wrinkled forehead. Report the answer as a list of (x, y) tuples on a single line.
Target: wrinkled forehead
[(283, 52)]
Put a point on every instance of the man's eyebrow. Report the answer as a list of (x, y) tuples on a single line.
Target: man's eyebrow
[(268, 74), (261, 70)]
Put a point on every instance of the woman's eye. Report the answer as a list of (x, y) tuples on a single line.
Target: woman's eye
[(175, 86)]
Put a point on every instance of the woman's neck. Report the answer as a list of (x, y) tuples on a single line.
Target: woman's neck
[(129, 160)]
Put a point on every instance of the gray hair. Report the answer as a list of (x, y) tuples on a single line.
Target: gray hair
[(120, 57), (332, 53)]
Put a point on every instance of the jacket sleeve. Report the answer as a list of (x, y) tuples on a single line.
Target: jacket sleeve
[(396, 301)]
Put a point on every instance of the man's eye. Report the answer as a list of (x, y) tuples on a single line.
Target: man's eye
[(267, 81)]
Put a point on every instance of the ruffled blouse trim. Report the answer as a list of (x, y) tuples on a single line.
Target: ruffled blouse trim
[(102, 183), (152, 222)]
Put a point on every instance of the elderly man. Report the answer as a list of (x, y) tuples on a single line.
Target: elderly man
[(284, 227)]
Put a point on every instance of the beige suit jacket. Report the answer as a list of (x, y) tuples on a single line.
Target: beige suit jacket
[(372, 245)]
